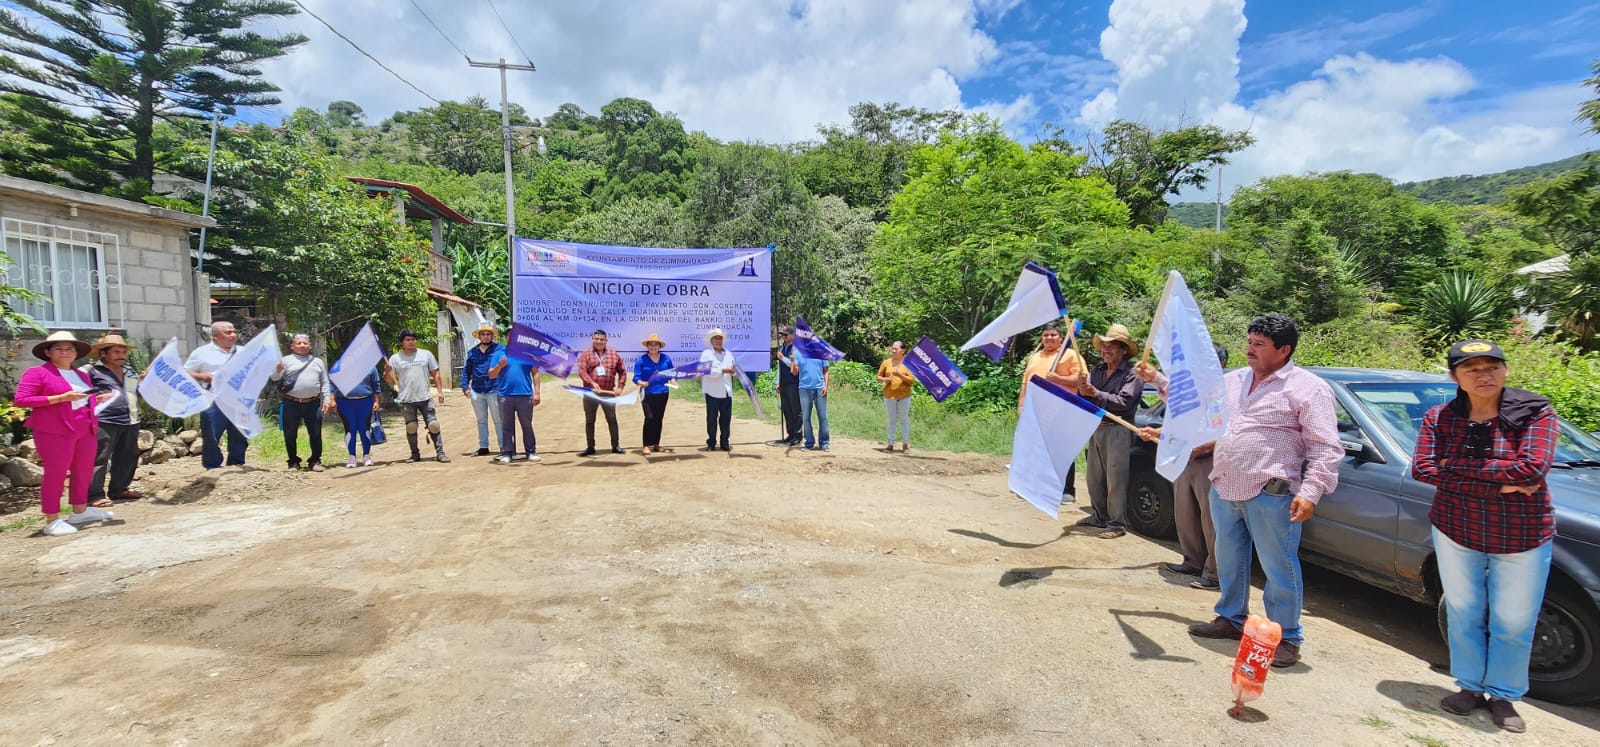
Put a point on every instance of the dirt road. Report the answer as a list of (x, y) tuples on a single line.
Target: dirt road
[(762, 596)]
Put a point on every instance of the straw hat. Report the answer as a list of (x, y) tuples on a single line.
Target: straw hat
[(1118, 333), (55, 337), (655, 338), (486, 327), (106, 341), (715, 332)]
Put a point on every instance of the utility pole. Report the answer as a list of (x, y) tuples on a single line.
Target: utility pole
[(1219, 199), (505, 136)]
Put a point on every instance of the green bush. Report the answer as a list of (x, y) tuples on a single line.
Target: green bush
[(991, 387), (858, 376), (1571, 379)]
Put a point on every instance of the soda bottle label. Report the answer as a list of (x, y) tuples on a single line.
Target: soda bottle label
[(1253, 660)]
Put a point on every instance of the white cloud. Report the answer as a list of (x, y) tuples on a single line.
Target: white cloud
[(1177, 61), (764, 69)]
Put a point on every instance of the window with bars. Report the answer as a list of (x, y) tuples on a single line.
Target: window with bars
[(65, 265)]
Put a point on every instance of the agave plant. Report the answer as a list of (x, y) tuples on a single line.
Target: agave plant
[(1461, 304)]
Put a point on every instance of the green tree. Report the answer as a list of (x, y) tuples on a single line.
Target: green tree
[(648, 154), (1390, 236), (975, 208), (345, 114), (1566, 209), (134, 62), (1591, 109), (1302, 274), (461, 136), (1145, 167), (865, 164), (631, 221), (572, 117)]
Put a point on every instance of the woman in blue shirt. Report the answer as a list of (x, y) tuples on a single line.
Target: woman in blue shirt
[(655, 393), (355, 409)]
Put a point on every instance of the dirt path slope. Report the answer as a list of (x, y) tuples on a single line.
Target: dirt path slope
[(762, 596)]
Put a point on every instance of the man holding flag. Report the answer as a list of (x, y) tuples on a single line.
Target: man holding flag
[(1113, 387), (203, 364), (1191, 494)]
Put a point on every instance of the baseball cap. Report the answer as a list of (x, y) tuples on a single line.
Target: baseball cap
[(1466, 350), (785, 329)]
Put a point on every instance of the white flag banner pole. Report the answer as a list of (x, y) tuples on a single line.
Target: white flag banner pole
[(1180, 341), (357, 361), (1036, 300), (1053, 428), (238, 384), (170, 389)]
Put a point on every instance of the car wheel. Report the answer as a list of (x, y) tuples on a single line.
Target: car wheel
[(1150, 505), (1564, 666)]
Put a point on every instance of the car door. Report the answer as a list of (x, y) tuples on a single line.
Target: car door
[(1354, 526)]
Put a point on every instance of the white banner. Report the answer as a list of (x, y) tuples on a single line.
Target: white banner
[(1052, 430), (238, 384), (357, 361), (1036, 300), (170, 389), (1179, 339)]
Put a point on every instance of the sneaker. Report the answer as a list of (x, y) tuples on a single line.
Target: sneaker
[(502, 459), (807, 448), (59, 528), (1220, 628), (1505, 716), (441, 457), (530, 457), (315, 467), (350, 463), (1181, 569), (1463, 703), (367, 462), (1207, 584), (294, 466), (587, 452), (414, 458), (824, 447), (483, 451), (617, 450), (89, 516)]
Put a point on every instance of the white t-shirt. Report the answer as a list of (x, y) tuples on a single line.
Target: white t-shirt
[(716, 383), (412, 373), (207, 359)]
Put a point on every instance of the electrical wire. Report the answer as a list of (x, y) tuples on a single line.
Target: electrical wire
[(509, 33), (364, 52), (435, 26)]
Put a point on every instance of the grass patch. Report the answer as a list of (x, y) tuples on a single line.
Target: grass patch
[(1428, 741), (22, 523), (268, 447), (859, 414), (1377, 723)]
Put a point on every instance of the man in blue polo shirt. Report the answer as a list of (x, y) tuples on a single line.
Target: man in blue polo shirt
[(813, 374), (517, 384)]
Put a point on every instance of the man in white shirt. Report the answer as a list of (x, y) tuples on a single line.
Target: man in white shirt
[(412, 371), (716, 385), (202, 364)]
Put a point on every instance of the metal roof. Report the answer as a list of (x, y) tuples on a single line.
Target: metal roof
[(419, 204)]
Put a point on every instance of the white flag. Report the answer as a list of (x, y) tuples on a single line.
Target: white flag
[(1052, 430), (170, 389), (1179, 339), (631, 398), (358, 360), (1035, 301), (238, 384)]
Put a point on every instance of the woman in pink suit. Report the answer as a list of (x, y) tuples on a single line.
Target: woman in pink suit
[(63, 423)]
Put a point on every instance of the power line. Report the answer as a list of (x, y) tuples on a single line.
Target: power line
[(510, 34), (364, 52), (436, 27)]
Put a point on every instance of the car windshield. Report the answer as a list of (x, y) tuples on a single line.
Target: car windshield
[(1398, 407)]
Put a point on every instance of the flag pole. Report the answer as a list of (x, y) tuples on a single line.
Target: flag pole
[(1121, 422)]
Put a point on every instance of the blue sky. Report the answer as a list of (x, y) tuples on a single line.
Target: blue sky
[(1409, 90)]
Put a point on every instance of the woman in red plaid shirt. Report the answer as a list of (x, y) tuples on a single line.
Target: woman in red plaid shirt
[(1488, 451)]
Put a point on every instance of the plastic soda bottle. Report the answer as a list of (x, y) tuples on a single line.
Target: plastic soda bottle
[(1256, 649)]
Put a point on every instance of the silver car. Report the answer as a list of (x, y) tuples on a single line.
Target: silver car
[(1375, 527)]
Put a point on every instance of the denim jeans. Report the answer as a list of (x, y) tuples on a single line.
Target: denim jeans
[(213, 424), (1492, 602), (485, 406), (810, 398), (1259, 525), (898, 413)]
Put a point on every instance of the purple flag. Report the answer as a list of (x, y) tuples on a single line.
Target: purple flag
[(931, 367), (549, 354), (693, 371), (813, 346), (996, 350)]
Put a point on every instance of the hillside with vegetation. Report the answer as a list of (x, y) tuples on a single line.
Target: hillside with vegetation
[(896, 223), (1489, 189)]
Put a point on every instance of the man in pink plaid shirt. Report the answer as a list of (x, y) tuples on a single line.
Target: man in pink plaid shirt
[(1279, 457)]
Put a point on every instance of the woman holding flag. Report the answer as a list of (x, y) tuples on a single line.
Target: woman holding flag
[(1057, 363), (645, 367)]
